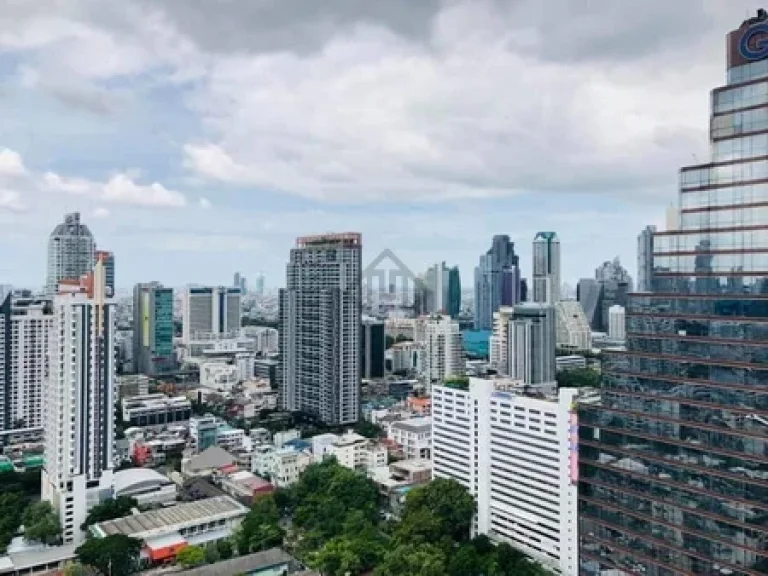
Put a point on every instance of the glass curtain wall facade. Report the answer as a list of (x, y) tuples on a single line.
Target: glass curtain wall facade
[(674, 460)]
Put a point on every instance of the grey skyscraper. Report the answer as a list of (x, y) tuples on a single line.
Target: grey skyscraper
[(373, 348), (497, 281), (454, 292), (320, 322), (589, 293), (71, 252), (673, 460), (645, 259), (531, 342), (108, 258), (153, 329), (546, 268)]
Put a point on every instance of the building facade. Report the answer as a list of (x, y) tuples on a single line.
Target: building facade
[(645, 259), (71, 252), (210, 312), (516, 454), (573, 329), (497, 281), (497, 342), (616, 319), (153, 329), (373, 348), (674, 461), (25, 327), (320, 323), (454, 293), (531, 344), (108, 258), (79, 400), (546, 268), (443, 350)]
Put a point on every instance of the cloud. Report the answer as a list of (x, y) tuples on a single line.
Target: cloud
[(100, 212), (11, 200), (205, 203), (11, 163)]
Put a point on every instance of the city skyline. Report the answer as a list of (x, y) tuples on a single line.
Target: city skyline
[(136, 147)]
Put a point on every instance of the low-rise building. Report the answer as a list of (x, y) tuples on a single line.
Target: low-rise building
[(417, 471), (132, 385), (155, 410), (244, 486), (280, 438), (322, 445), (413, 437), (219, 376), (263, 460), (203, 432), (570, 362), (288, 465), (208, 462), (260, 435), (358, 452), (166, 531), (228, 437)]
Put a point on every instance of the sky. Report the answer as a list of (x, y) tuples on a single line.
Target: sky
[(201, 137)]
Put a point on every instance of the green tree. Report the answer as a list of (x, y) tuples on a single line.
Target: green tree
[(338, 557), (466, 561), (110, 509), (191, 556), (115, 555), (260, 528), (578, 378), (411, 560), (369, 429), (11, 508), (77, 569), (225, 549), (449, 502), (41, 523), (212, 553)]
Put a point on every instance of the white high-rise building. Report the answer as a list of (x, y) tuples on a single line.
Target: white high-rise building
[(71, 252), (546, 268), (24, 345), (210, 313), (518, 457), (645, 259), (443, 350), (320, 328), (79, 400), (616, 323), (573, 330), (497, 343), (531, 344)]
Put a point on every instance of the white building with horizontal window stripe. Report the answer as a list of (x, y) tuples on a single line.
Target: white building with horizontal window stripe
[(516, 452)]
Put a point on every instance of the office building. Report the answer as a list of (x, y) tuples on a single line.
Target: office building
[(373, 348), (531, 344), (203, 432), (573, 330), (320, 321), (25, 326), (674, 466), (454, 293), (589, 295), (443, 350), (570, 362), (546, 268), (435, 289), (616, 330), (260, 285), (516, 453), (645, 259), (153, 329), (108, 258), (78, 397), (240, 282), (210, 312), (155, 410), (497, 281), (71, 252)]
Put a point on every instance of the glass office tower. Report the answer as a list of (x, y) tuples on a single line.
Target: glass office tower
[(674, 460)]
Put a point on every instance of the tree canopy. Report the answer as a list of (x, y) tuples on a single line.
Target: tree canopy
[(578, 378), (115, 555), (41, 523), (11, 508), (260, 528), (191, 556), (110, 509)]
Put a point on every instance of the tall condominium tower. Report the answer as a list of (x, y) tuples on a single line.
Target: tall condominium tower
[(108, 258), (320, 319), (71, 252), (210, 312), (573, 330), (497, 281), (645, 259), (25, 327), (153, 329), (443, 350), (454, 293), (531, 343), (79, 402), (546, 268), (373, 348), (674, 461)]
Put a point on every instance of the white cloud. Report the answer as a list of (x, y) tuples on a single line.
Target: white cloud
[(121, 189), (100, 212), (205, 204), (11, 200), (11, 163), (75, 186)]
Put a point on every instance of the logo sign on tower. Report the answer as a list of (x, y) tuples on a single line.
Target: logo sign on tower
[(754, 42)]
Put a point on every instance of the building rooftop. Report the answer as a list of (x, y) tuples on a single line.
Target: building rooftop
[(415, 425), (413, 465), (136, 477), (213, 457), (154, 522), (244, 564)]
